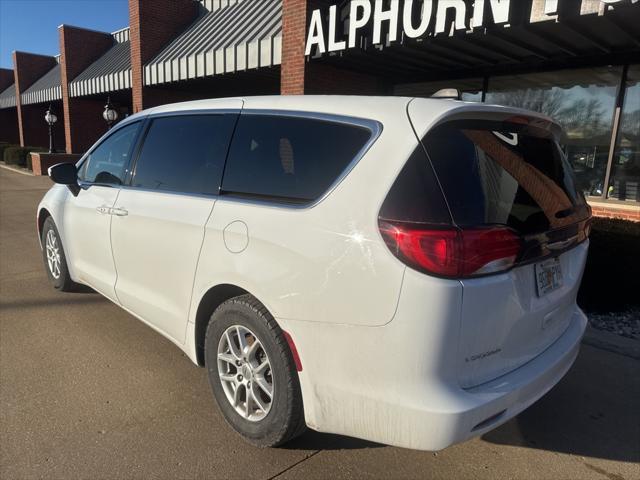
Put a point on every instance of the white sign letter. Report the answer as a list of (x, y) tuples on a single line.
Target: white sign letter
[(499, 10), (551, 7), (333, 22), (390, 16), (598, 6), (543, 10), (354, 22), (441, 16), (316, 33), (425, 18)]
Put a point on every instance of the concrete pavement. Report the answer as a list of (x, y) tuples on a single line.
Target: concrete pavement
[(87, 391)]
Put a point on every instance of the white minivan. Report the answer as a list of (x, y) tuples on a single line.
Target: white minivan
[(399, 270)]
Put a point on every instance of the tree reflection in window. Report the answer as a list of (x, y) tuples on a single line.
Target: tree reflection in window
[(582, 101)]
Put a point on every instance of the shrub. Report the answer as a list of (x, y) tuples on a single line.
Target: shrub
[(3, 147), (14, 156), (610, 281)]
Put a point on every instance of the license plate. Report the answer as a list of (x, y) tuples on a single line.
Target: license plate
[(548, 276)]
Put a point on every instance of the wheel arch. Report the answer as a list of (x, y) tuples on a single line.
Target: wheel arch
[(212, 299), (43, 214)]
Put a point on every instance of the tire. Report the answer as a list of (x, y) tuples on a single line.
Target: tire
[(57, 269), (283, 419)]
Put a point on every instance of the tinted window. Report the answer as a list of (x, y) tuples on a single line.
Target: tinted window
[(583, 101), (289, 157), (108, 162), (416, 196), (184, 153), (499, 173)]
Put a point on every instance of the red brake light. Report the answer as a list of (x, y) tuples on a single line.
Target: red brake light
[(432, 250), (453, 252), (489, 250)]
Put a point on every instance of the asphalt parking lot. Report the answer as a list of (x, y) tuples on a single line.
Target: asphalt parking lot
[(87, 391)]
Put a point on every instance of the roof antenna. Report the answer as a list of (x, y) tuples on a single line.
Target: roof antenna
[(451, 93)]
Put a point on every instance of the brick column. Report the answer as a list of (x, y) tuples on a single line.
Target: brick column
[(27, 68), (154, 23), (79, 48), (6, 78), (299, 77), (294, 27), (8, 116)]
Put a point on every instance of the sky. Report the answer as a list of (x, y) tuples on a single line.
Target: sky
[(32, 25)]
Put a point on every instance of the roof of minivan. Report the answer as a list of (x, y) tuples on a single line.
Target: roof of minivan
[(370, 107), (336, 104)]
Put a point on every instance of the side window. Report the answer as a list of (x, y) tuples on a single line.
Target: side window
[(415, 196), (108, 162), (289, 157), (185, 153)]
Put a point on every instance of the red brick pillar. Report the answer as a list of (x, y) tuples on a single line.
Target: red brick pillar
[(299, 77), (294, 27), (6, 78), (83, 122), (27, 68), (8, 116), (154, 23)]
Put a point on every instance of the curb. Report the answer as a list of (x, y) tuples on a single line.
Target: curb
[(17, 170), (612, 342)]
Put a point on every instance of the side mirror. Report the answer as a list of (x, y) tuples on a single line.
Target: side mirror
[(65, 174)]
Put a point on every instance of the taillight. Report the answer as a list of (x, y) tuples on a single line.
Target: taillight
[(453, 252)]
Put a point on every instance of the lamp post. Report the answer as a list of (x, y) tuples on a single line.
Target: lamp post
[(51, 119), (110, 114)]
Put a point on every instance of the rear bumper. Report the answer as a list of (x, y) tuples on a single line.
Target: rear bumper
[(398, 384), (503, 398)]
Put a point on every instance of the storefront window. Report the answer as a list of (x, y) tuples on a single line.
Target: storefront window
[(582, 101), (470, 89), (625, 169)]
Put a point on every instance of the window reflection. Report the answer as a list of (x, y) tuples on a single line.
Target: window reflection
[(625, 169), (107, 162), (582, 101)]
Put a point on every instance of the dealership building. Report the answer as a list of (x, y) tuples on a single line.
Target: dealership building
[(577, 61)]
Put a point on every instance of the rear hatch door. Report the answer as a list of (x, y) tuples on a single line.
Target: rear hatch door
[(503, 168)]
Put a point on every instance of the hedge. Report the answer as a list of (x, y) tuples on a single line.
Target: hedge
[(3, 147), (16, 155), (612, 274)]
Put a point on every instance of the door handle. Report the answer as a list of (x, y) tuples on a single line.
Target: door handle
[(103, 210), (119, 212)]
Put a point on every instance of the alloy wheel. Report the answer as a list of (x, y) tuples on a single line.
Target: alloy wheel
[(53, 254), (245, 373)]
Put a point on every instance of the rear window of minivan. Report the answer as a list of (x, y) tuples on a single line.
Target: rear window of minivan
[(504, 173), (290, 158)]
